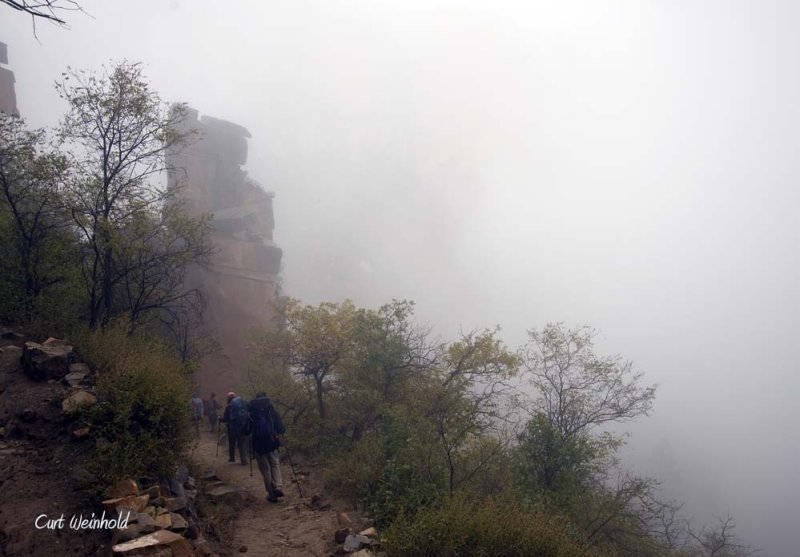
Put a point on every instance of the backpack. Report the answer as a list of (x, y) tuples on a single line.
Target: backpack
[(265, 439), (239, 416)]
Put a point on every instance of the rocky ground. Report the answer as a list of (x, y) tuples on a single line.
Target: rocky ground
[(293, 527), (43, 455), (40, 464)]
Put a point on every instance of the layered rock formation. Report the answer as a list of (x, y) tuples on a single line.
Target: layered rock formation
[(8, 97), (242, 280)]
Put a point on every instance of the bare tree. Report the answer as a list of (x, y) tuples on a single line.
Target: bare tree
[(48, 10), (136, 241), (720, 541)]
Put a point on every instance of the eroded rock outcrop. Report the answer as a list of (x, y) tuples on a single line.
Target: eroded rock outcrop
[(241, 282)]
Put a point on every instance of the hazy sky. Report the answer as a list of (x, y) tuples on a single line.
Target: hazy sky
[(631, 165)]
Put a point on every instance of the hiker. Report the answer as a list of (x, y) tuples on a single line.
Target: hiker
[(197, 412), (213, 412), (235, 417), (265, 427)]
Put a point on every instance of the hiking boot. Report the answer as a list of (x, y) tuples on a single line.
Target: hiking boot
[(278, 493), (272, 498)]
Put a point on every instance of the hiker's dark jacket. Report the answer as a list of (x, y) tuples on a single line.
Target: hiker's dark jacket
[(260, 405)]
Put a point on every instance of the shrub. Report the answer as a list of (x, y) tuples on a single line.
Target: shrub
[(467, 528), (141, 420)]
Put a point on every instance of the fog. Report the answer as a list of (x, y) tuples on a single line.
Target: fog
[(631, 165)]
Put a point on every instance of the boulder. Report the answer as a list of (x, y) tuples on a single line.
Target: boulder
[(178, 522), (74, 378), (132, 531), (123, 488), (369, 533), (176, 487), (164, 520), (77, 399), (173, 545), (133, 502), (79, 367), (48, 360), (156, 491), (354, 543), (341, 535), (173, 504), (225, 492)]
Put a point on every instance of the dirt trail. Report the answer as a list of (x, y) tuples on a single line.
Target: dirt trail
[(290, 527)]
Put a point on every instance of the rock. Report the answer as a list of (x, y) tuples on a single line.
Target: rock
[(46, 361), (242, 549), (210, 475), (362, 553), (132, 531), (344, 518), (354, 543), (123, 488), (156, 491), (369, 533), (225, 492), (150, 544), (178, 522), (143, 518), (173, 504), (73, 379), (341, 535), (76, 400), (132, 502), (164, 520), (176, 487), (79, 367), (80, 433)]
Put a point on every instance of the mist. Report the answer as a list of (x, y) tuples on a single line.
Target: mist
[(627, 165)]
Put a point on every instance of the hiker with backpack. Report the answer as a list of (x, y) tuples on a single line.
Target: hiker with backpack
[(196, 406), (266, 426), (238, 422)]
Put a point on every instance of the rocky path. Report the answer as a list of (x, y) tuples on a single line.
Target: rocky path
[(291, 527)]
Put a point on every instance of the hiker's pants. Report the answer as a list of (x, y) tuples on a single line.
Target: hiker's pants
[(270, 468), (235, 439)]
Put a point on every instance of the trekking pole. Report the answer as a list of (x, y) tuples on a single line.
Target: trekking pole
[(291, 465), (251, 453)]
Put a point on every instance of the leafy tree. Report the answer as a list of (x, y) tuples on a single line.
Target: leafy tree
[(578, 392), (137, 241), (465, 402), (39, 255), (314, 342)]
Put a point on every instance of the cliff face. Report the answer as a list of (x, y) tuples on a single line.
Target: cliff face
[(241, 282), (8, 97)]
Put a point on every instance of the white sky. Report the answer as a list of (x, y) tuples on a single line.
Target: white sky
[(626, 164)]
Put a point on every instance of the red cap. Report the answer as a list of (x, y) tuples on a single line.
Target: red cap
[(231, 394)]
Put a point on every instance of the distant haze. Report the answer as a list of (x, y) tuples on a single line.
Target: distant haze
[(632, 165)]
